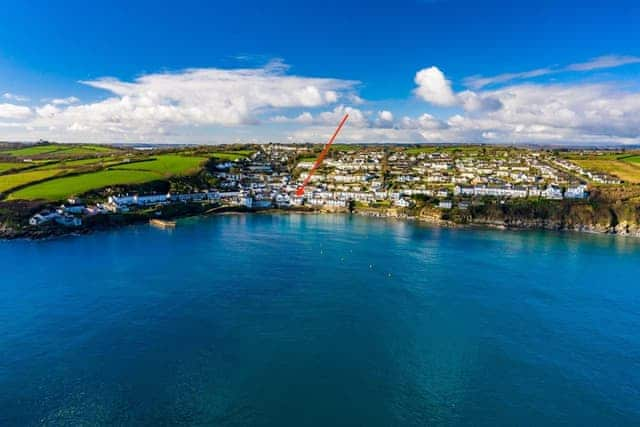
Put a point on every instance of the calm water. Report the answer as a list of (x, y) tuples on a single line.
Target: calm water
[(320, 320)]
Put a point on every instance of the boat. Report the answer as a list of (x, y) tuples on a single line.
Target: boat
[(162, 223)]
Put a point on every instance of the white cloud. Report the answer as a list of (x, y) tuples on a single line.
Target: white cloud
[(529, 113), (434, 88), (48, 110), (14, 112), (384, 119), (304, 118), (474, 102), (208, 97), (191, 98), (205, 105), (14, 97), (424, 122), (357, 118), (65, 101), (608, 61), (601, 62)]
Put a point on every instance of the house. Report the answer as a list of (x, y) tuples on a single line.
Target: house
[(577, 192), (403, 202), (43, 217), (74, 209), (152, 199), (282, 200), (69, 220), (552, 192), (445, 204)]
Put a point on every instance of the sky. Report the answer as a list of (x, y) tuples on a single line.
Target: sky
[(408, 71)]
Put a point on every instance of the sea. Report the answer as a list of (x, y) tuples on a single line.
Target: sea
[(320, 320)]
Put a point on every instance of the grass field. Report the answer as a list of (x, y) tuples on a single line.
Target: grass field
[(443, 149), (158, 168), (627, 170), (60, 188), (632, 159), (307, 159), (7, 166), (8, 182), (166, 164), (58, 150), (227, 156), (71, 164), (34, 151)]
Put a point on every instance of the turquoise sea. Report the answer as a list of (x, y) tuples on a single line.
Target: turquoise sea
[(303, 320)]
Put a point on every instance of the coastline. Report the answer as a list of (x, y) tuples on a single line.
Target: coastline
[(521, 225)]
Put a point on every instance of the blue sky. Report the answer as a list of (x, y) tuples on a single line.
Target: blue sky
[(574, 71)]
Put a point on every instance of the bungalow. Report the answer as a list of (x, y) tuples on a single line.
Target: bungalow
[(42, 217), (552, 192), (69, 220), (403, 202), (577, 192)]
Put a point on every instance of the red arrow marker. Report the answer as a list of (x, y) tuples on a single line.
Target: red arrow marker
[(318, 162)]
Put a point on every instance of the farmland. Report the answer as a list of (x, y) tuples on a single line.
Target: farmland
[(59, 188), (8, 182), (623, 165), (5, 166), (56, 171), (57, 151), (165, 165)]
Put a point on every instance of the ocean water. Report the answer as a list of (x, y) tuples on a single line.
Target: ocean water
[(294, 320)]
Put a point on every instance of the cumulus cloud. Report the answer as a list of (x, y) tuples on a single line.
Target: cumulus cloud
[(527, 113), (14, 112), (357, 117), (434, 88), (177, 106), (195, 97), (423, 122), (209, 96), (384, 119)]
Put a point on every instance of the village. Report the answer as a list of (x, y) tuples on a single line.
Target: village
[(361, 177)]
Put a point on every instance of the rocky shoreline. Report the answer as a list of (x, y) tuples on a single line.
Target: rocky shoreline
[(43, 233), (622, 229)]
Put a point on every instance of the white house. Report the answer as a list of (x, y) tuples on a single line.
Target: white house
[(42, 217), (577, 192)]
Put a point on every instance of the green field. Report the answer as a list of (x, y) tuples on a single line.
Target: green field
[(307, 159), (7, 166), (626, 170), (34, 150), (58, 150), (60, 188), (632, 159), (8, 182), (71, 164), (157, 168), (441, 149), (231, 155), (166, 164)]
